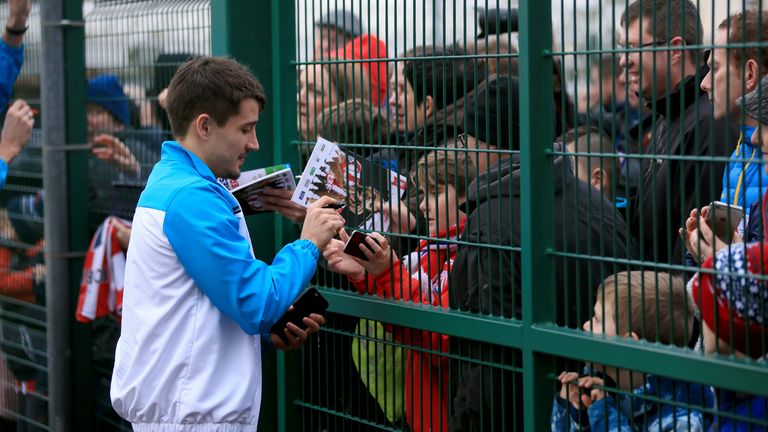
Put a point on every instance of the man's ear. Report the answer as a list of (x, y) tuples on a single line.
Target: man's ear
[(598, 179), (751, 75), (202, 125), (429, 107), (676, 56)]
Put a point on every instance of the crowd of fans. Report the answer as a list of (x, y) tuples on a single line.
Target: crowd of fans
[(636, 163)]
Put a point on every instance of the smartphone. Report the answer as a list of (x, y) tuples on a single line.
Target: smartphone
[(355, 242), (724, 219), (309, 302)]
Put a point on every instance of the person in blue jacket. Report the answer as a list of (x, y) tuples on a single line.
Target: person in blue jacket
[(12, 48), (197, 305), (635, 305)]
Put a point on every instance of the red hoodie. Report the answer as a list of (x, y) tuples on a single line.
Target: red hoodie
[(427, 284), (369, 47)]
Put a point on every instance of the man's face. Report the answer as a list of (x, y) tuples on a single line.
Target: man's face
[(100, 121), (410, 116), (439, 206), (228, 145), (724, 80), (316, 93), (645, 69), (482, 159), (327, 41)]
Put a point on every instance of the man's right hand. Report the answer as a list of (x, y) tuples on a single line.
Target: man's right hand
[(17, 130), (321, 224)]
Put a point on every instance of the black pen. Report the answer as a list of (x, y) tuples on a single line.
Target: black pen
[(338, 205)]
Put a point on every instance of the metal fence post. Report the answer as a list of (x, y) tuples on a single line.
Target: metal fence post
[(536, 120), (64, 181), (261, 35)]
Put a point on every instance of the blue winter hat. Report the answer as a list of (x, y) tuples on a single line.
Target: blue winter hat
[(107, 92)]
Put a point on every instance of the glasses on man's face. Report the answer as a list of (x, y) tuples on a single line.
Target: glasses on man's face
[(461, 140), (637, 47)]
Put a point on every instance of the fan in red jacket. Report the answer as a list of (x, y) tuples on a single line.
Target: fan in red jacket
[(421, 277)]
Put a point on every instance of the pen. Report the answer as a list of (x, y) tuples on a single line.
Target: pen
[(336, 206)]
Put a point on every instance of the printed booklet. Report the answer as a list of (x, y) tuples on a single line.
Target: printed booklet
[(366, 188), (250, 183)]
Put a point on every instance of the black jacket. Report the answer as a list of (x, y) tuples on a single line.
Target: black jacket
[(487, 280), (684, 127)]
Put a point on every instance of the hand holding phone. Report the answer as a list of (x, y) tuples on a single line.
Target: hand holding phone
[(724, 219), (309, 302), (355, 242)]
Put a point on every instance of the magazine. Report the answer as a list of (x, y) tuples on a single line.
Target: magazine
[(249, 185), (365, 187)]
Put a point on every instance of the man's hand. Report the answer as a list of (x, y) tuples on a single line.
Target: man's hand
[(18, 13), (297, 336), (162, 98), (279, 200), (380, 256), (341, 263), (123, 235), (110, 148), (16, 131), (321, 223)]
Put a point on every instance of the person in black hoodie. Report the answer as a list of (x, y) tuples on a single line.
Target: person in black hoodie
[(487, 279), (669, 82)]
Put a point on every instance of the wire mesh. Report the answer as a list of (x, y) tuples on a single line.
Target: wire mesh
[(640, 141)]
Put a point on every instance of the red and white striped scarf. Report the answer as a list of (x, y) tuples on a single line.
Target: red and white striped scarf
[(101, 287)]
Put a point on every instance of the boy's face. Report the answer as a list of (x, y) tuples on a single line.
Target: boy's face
[(602, 322), (100, 121), (440, 206)]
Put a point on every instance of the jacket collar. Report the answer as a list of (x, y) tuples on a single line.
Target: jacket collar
[(687, 92), (173, 151)]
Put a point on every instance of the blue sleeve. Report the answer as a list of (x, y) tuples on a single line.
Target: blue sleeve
[(565, 416), (605, 416), (679, 419), (3, 172), (11, 59), (204, 233)]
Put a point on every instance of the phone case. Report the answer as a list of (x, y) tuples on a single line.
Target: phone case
[(352, 247)]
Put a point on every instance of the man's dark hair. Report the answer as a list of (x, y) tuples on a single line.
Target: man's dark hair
[(590, 139), (667, 19), (210, 85), (446, 80), (743, 27)]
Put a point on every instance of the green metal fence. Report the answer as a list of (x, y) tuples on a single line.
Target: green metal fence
[(473, 344)]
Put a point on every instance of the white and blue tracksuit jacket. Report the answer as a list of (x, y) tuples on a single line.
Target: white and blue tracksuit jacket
[(196, 302)]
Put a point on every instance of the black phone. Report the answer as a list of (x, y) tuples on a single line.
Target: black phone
[(355, 242), (309, 302)]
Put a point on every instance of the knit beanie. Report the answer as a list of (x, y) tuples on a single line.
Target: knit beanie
[(342, 20), (369, 47), (735, 306), (26, 215), (755, 103), (493, 114), (107, 92)]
